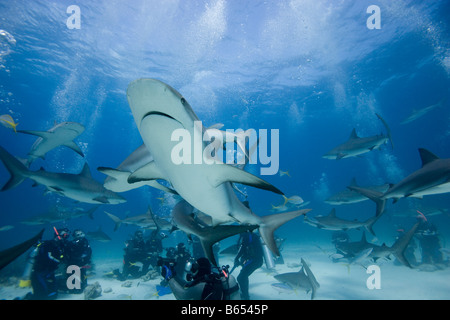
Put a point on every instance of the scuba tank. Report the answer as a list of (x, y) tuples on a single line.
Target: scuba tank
[(26, 276), (268, 257)]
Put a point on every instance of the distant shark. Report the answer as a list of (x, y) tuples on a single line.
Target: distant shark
[(303, 279), (61, 134), (349, 196), (432, 178), (356, 146), (117, 178), (145, 221), (58, 214), (182, 217), (81, 187), (332, 222), (158, 110), (416, 114), (98, 235), (9, 255), (353, 249)]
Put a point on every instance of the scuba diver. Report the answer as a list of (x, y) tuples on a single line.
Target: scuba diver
[(79, 253), (49, 255), (182, 256), (430, 243), (339, 238), (155, 247), (135, 251), (202, 283), (251, 257)]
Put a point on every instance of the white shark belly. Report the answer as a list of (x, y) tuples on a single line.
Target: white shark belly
[(190, 180), (439, 189)]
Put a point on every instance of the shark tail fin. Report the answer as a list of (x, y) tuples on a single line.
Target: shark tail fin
[(388, 130), (16, 169), (375, 196), (312, 280), (217, 233), (116, 220), (271, 222), (399, 247)]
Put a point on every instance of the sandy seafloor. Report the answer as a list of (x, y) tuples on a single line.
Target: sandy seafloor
[(337, 281)]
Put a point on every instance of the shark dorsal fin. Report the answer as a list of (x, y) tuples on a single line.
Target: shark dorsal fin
[(332, 213), (354, 135), (86, 172), (427, 156), (353, 183)]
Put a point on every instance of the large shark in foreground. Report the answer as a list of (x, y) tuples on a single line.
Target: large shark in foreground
[(9, 255), (356, 145), (303, 279), (331, 222), (61, 134), (432, 178), (81, 187), (158, 111)]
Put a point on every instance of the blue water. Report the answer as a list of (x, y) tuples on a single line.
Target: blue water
[(311, 69)]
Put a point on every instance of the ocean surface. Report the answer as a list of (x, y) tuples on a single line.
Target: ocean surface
[(310, 70)]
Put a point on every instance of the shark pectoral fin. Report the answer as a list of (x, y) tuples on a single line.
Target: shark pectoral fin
[(340, 156), (159, 186), (145, 173), (225, 173), (101, 199), (72, 145), (42, 134), (56, 188), (114, 173)]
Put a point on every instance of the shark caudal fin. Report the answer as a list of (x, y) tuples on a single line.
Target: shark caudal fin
[(271, 222), (116, 220), (210, 235), (373, 195), (399, 247), (16, 169)]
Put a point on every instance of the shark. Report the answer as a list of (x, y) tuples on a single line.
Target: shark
[(158, 111), (145, 221), (80, 187), (117, 179), (356, 145), (59, 214), (303, 279), (98, 235), (9, 255), (432, 178), (416, 114), (332, 222), (61, 134), (349, 196), (354, 249), (183, 219)]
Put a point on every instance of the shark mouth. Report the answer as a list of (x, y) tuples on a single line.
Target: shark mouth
[(158, 113)]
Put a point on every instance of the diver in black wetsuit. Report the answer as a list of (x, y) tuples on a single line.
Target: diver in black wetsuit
[(202, 283), (79, 253), (154, 247), (251, 257), (430, 243), (135, 251), (50, 254)]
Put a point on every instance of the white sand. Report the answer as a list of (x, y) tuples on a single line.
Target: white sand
[(337, 281)]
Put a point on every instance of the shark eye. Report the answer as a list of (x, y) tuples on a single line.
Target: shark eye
[(183, 101)]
